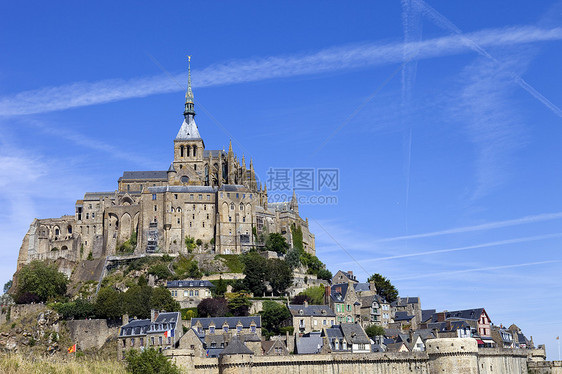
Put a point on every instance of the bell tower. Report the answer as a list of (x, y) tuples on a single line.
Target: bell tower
[(188, 145)]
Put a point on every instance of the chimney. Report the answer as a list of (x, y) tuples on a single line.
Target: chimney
[(372, 286), (153, 315), (306, 304), (440, 316), (436, 333), (125, 319), (411, 335), (350, 272), (327, 293)]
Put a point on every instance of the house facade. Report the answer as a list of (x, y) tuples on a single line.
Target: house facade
[(189, 293), (307, 318)]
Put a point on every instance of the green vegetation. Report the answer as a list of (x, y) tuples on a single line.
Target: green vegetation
[(280, 275), (277, 243), (213, 307), (273, 315), (186, 267), (233, 262), (79, 309), (188, 313), (314, 295), (109, 304), (149, 361), (7, 285), (238, 304), (129, 245), (374, 330), (296, 233), (384, 287), (255, 269), (190, 244), (38, 281), (160, 270), (90, 256)]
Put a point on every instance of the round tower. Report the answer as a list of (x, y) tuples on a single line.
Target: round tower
[(452, 356)]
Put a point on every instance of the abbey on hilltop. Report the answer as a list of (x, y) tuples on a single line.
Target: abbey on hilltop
[(205, 195)]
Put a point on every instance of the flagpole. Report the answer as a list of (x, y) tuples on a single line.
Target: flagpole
[(558, 348)]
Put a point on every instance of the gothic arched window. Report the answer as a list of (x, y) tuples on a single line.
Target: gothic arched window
[(181, 151), (194, 151), (188, 150)]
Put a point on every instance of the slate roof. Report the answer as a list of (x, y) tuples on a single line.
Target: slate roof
[(232, 187), (142, 326), (444, 326), (395, 347), (311, 310), (309, 343), (427, 314), (231, 321), (361, 287), (338, 292), (403, 301), (354, 333), (190, 283), (236, 347), (467, 314), (402, 316), (182, 189), (214, 152), (144, 175), (188, 130), (281, 206)]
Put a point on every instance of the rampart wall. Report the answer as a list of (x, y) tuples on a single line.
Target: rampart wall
[(443, 356)]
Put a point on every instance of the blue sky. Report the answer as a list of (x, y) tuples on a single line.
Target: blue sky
[(443, 119)]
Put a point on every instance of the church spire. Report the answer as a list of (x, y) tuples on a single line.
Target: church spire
[(189, 106)]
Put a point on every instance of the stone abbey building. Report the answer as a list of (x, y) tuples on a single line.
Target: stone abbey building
[(204, 194)]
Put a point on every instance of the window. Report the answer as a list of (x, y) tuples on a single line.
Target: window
[(229, 219), (160, 340), (205, 207), (178, 221), (152, 340), (176, 196), (132, 342), (141, 342), (243, 195), (239, 328), (191, 198), (207, 215), (253, 328), (184, 293), (87, 215), (93, 215), (124, 343), (211, 329), (155, 208), (200, 197), (237, 195), (208, 197), (169, 340), (191, 293), (203, 224), (225, 328), (153, 196), (196, 293)]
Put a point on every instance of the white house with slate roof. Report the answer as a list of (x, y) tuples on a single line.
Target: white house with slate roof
[(161, 331), (347, 337), (189, 293)]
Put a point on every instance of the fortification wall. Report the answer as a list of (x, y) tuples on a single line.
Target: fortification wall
[(91, 333), (443, 356), (545, 367)]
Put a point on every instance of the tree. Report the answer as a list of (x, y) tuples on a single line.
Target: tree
[(7, 286), (137, 301), (314, 295), (190, 243), (162, 300), (239, 304), (293, 258), (149, 361), (296, 233), (193, 271), (277, 243), (38, 281), (213, 307), (374, 330), (109, 303), (79, 309), (279, 275), (273, 315), (324, 274), (160, 270), (384, 287), (255, 267), (220, 288)]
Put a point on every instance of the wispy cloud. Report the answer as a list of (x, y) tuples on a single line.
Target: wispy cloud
[(338, 58), (485, 226), (443, 22), (482, 269), (465, 248)]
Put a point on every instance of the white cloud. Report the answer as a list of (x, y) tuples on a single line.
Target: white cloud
[(338, 58)]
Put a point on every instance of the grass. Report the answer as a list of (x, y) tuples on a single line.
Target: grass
[(233, 262), (17, 363)]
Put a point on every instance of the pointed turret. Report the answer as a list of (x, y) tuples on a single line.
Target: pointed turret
[(294, 203), (230, 146)]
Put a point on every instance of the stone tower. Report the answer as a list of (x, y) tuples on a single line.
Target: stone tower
[(188, 166)]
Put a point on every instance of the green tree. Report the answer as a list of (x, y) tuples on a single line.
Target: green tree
[(220, 287), (374, 330), (7, 286), (255, 267), (277, 243), (109, 303), (279, 275), (78, 309), (41, 282), (273, 315), (324, 274), (193, 270), (238, 304), (137, 301), (190, 243), (149, 361), (384, 287), (314, 295), (162, 299), (293, 257), (160, 270)]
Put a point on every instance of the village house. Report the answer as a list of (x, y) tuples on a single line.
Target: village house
[(161, 331), (477, 319), (189, 293), (307, 318), (347, 337)]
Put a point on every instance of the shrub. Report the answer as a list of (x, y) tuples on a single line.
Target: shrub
[(160, 270), (149, 361), (38, 281)]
